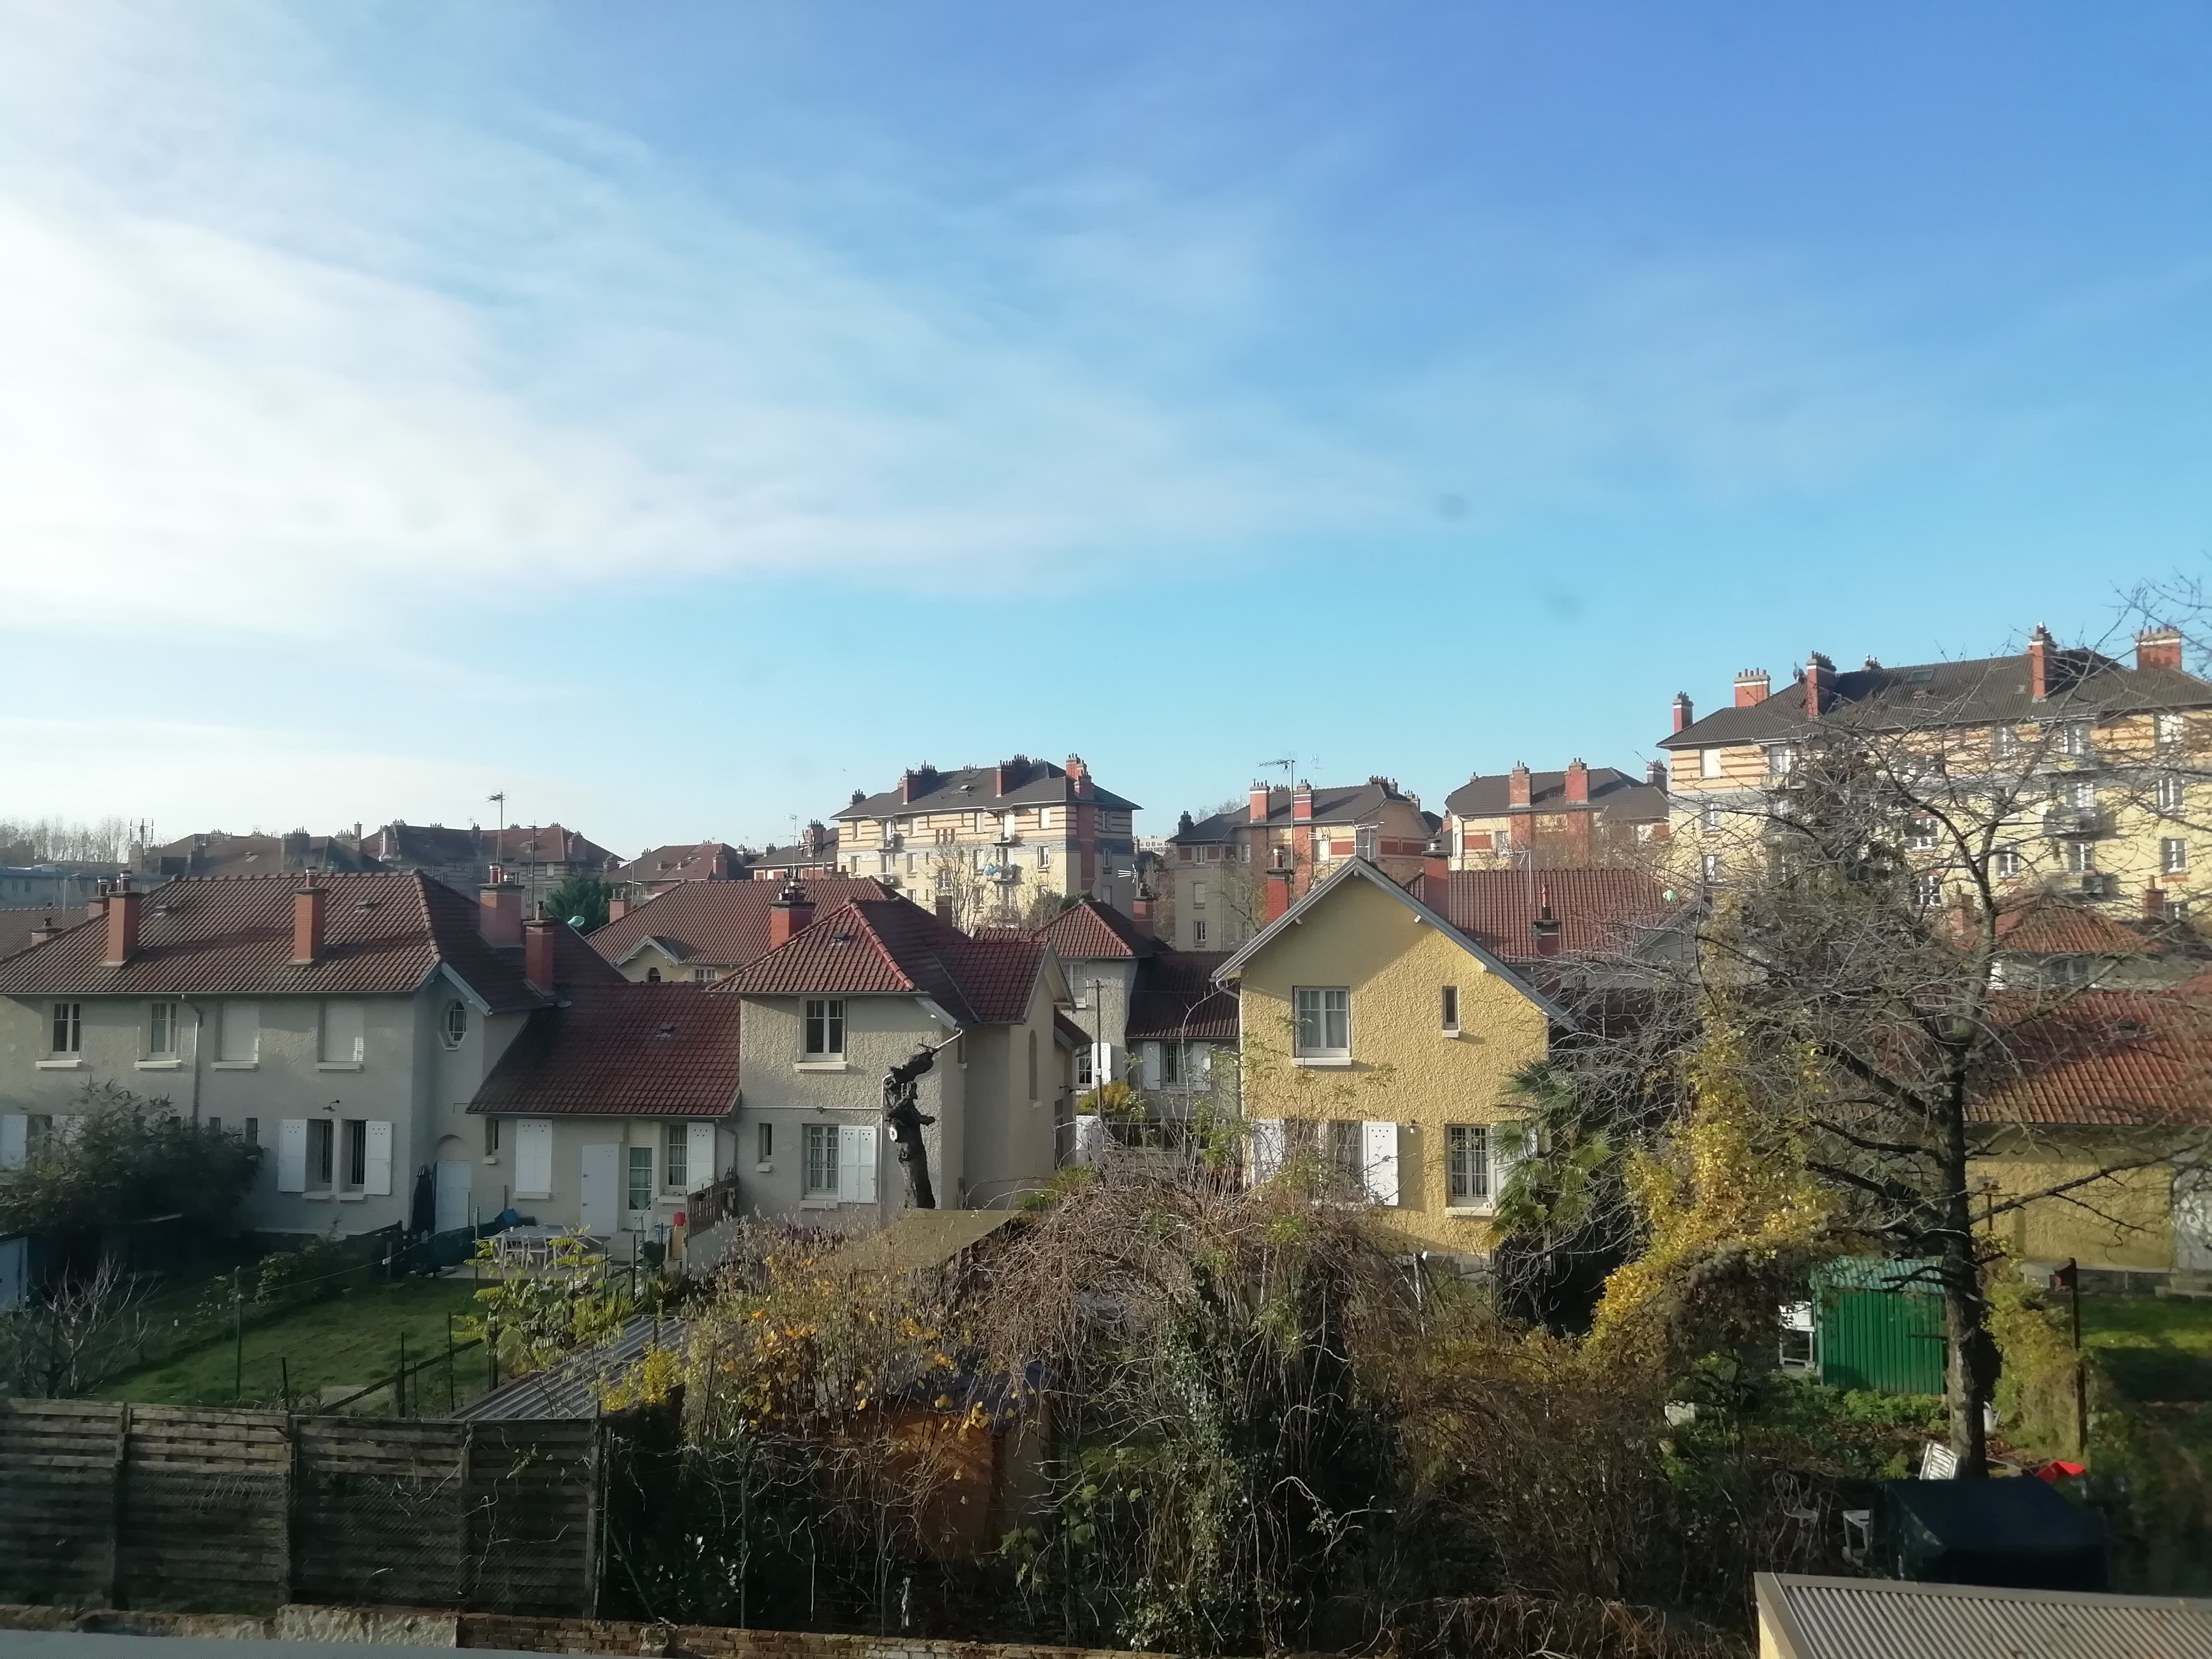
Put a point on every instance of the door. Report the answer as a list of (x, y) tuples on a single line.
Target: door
[(2192, 1219), (453, 1206), (601, 1170)]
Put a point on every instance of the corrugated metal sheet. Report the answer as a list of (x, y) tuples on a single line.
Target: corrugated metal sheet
[(572, 1388), (1878, 1324), (1810, 1618)]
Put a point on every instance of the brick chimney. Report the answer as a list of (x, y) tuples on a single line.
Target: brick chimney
[(310, 921), (1517, 785), (2154, 903), (790, 914), (1683, 713), (538, 935), (1258, 806), (1655, 774), (1578, 783), (815, 841), (45, 931), (2039, 646), (1435, 876), (499, 909), (916, 782), (1140, 911), (1581, 826), (618, 908), (1302, 802), (1819, 684), (123, 908), (1546, 927), (1279, 894), (1079, 777), (2159, 648), (1751, 687)]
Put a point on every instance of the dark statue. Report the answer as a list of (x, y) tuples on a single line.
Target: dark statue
[(906, 1120)]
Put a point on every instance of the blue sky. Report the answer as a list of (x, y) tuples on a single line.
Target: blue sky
[(680, 416)]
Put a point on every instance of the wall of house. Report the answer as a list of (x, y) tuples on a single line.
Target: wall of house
[(783, 1089), (1404, 1068), (1010, 1143), (1102, 990), (562, 1205), (2125, 1222)]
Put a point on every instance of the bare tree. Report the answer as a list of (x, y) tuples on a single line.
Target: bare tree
[(84, 1331)]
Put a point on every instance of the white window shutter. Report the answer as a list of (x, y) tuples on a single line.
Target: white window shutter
[(868, 1145), (1151, 1066), (533, 1156), (377, 1177), (698, 1155), (14, 1140), (1267, 1148), (1101, 1064), (856, 1163), (1508, 1145), (1201, 1062), (292, 1154), (1378, 1148), (1090, 1137)]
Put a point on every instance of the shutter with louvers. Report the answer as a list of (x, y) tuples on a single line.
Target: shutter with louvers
[(1151, 1066), (1267, 1148), (241, 1039), (1379, 1161), (291, 1154), (376, 1177), (15, 1139), (698, 1155)]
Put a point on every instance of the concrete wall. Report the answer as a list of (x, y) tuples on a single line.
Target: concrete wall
[(2125, 1222), (1403, 1067)]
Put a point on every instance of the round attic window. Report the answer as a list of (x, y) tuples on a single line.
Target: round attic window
[(456, 1023)]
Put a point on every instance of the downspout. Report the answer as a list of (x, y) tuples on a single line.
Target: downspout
[(199, 1029)]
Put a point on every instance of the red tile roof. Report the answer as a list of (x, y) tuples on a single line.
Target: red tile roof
[(720, 924), (2054, 927), (2109, 1057), (621, 1050), (232, 936), (1091, 932), (704, 860), (1176, 998), (17, 923), (891, 947), (1601, 912)]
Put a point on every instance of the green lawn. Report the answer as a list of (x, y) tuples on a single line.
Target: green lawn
[(353, 1338), (2153, 1347)]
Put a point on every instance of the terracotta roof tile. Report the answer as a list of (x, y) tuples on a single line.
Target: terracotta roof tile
[(1091, 932), (232, 936), (1621, 797), (1345, 803), (720, 924), (2110, 1058), (1176, 998), (1601, 912), (2054, 928), (621, 1050), (892, 947)]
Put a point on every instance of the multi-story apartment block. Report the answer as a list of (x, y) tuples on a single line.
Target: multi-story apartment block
[(1217, 875), (991, 845), (2108, 762), (814, 853), (216, 853), (1567, 820), (345, 1021)]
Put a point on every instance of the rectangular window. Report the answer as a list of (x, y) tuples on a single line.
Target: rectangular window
[(2170, 730), (240, 1044), (345, 1033), (1928, 891), (1467, 1151), (1198, 895), (1171, 1064), (1198, 934), (356, 1153), (216, 1124), (161, 1030), (640, 1177), (533, 1156), (676, 1161), (2076, 739), (1324, 1022), (2077, 793), (1448, 1001), (321, 1133), (1780, 757), (253, 1131), (2081, 857), (1709, 762), (825, 1027), (1083, 1079), (2007, 862), (1920, 835), (1710, 867), (2173, 793), (822, 1160), (1364, 844), (2004, 743), (2173, 855), (764, 1141), (491, 1137), (1344, 1146), (68, 1028), (1709, 819)]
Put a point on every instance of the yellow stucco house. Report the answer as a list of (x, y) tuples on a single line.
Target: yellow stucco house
[(1378, 1036)]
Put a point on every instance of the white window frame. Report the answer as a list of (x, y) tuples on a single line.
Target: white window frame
[(2005, 862), (533, 1156), (332, 1035), (825, 1027), (1781, 759), (1709, 764), (1709, 867), (454, 1023), (2081, 858), (635, 1186), (2173, 793), (66, 1030), (2075, 739), (161, 1021), (2004, 742), (2169, 730), (1709, 819), (1928, 889), (2172, 856), (1320, 1012), (1920, 835), (675, 1157), (1466, 1167), (1198, 932), (1448, 1009), (819, 1162)]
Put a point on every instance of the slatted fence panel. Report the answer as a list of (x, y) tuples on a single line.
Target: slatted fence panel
[(379, 1512), (533, 1516), (57, 1495), (204, 1513)]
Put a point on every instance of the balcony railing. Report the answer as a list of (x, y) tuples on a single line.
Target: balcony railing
[(2076, 822)]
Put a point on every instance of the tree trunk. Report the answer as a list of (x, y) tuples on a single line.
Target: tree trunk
[(1970, 1371)]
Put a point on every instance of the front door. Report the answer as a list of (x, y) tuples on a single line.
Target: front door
[(600, 1215), (453, 1206), (2192, 1219)]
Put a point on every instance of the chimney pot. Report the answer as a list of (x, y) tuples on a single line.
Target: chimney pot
[(790, 914), (1577, 785), (2040, 645), (499, 910), (2159, 648), (123, 911), (1655, 774), (1140, 911), (310, 923), (1259, 803), (1279, 894), (1683, 713), (1517, 785), (618, 908), (1752, 687), (1302, 802), (1435, 876)]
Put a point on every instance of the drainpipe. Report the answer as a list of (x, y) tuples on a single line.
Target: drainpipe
[(199, 1030)]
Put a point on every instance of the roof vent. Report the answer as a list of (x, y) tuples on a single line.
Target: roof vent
[(665, 1032)]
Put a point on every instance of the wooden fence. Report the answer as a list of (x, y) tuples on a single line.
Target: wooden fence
[(126, 1505)]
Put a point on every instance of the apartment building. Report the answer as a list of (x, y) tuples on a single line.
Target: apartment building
[(659, 868), (1216, 877), (994, 844), (540, 857), (2108, 757), (1579, 816)]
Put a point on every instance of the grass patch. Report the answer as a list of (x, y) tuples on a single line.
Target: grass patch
[(2152, 1347), (352, 1338)]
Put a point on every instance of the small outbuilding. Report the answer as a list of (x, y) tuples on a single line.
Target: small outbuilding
[(1807, 1617)]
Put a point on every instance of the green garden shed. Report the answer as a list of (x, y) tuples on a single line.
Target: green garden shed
[(1878, 1324)]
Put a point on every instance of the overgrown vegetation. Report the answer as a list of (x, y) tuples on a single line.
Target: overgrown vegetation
[(581, 901), (126, 1159)]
